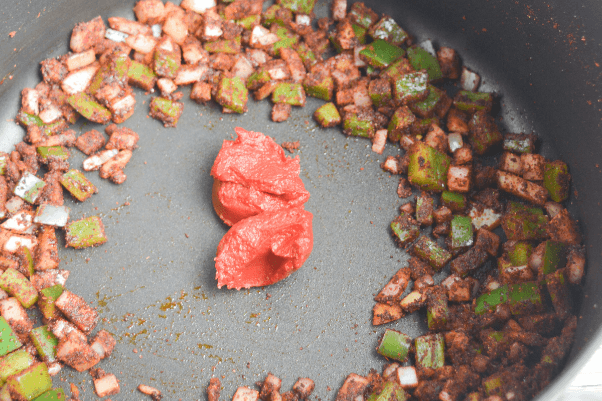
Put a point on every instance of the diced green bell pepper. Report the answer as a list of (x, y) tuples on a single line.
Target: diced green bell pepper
[(397, 70), (493, 385), (257, 79), (461, 232), (362, 15), (249, 22), (48, 153), (319, 88), (55, 394), (430, 351), (421, 59), (554, 256), (387, 29), (360, 33), (327, 115), (521, 223), (473, 101), (395, 345), (520, 252), (437, 313), (89, 108), (390, 391), (556, 179), (228, 46), (453, 200), (78, 185), (26, 120), (298, 6), (45, 343), (411, 87), (14, 363), (428, 106), (233, 94), (8, 339), (380, 92), (17, 285), (405, 229), (5, 394), (560, 295), (307, 54), (3, 163), (519, 143), (381, 54), (47, 298), (428, 167), (141, 75), (31, 382), (429, 251), (359, 123), (524, 298), (86, 232), (484, 132), (166, 64), (287, 39), (488, 302), (289, 93), (400, 123)]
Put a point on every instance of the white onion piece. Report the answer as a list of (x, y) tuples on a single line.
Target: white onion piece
[(455, 141), (29, 187), (116, 36), (19, 222), (51, 215)]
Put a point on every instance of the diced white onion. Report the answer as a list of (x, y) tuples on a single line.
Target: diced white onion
[(115, 36), (51, 215), (157, 30), (95, 161), (455, 141), (27, 183), (19, 222)]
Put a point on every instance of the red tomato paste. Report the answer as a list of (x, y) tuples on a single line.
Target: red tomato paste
[(253, 175), (263, 249)]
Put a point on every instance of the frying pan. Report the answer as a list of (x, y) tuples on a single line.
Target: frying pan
[(153, 282)]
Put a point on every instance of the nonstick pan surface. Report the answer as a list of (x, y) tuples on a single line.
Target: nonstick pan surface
[(153, 282)]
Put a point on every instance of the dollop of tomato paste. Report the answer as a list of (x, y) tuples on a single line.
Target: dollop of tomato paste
[(253, 175), (263, 249)]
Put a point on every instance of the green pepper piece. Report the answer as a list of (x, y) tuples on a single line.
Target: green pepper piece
[(299, 6), (524, 298), (8, 339), (48, 153), (167, 110), (400, 123), (360, 33), (519, 254), (258, 79), (554, 256), (55, 394), (26, 119), (474, 396), (437, 313), (489, 301), (287, 39), (380, 92), (493, 385), (233, 94), (31, 382), (557, 285), (556, 179), (522, 223), (86, 232), (411, 87), (321, 87), (461, 232), (484, 132), (359, 122), (228, 46), (45, 343), (362, 15), (141, 75), (18, 286), (405, 229), (421, 59), (519, 143), (249, 22), (5, 394), (428, 106), (397, 70), (430, 351), (3, 163), (89, 108), (27, 259), (14, 363), (307, 54), (429, 251), (421, 126), (269, 15), (453, 200), (387, 29), (166, 64), (473, 101), (428, 167), (327, 115), (78, 185), (47, 298), (394, 345), (381, 53), (289, 93), (390, 391)]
